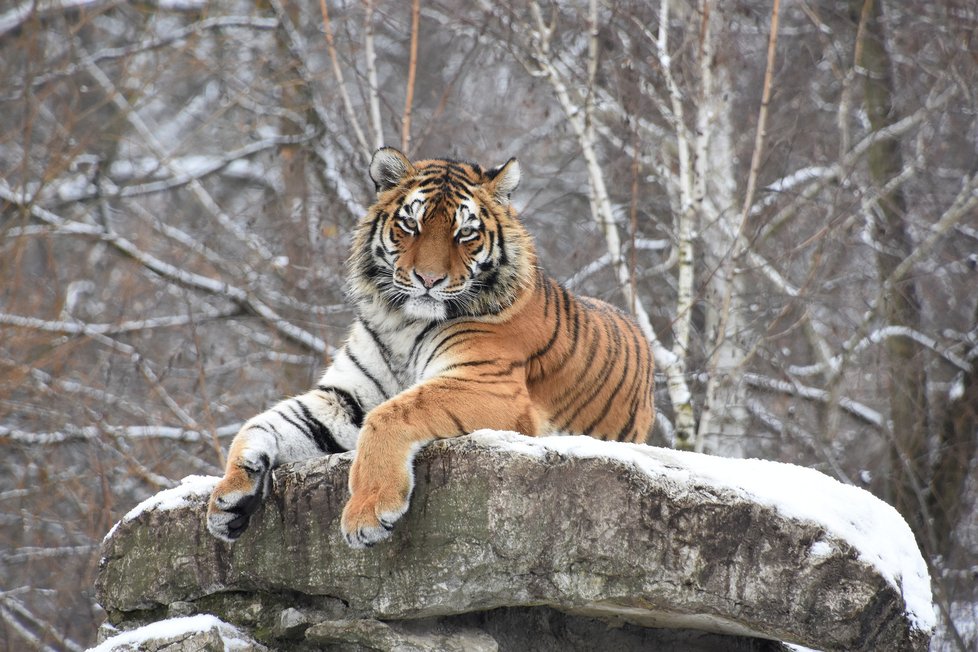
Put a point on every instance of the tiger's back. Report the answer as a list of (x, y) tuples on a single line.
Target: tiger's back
[(594, 374)]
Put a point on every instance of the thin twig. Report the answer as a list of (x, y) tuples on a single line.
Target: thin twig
[(412, 72), (351, 116)]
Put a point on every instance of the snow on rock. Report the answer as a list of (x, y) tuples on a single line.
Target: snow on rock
[(869, 525), (171, 633), (190, 488)]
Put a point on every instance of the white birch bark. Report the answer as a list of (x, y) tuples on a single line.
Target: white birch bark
[(687, 215), (724, 418), (671, 364), (373, 90)]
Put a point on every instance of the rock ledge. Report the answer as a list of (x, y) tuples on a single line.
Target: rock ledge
[(511, 540)]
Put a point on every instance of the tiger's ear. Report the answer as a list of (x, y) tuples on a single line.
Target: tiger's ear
[(503, 180), (388, 168)]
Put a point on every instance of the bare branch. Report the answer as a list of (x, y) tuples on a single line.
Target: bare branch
[(856, 409), (207, 201), (174, 37), (173, 273), (351, 115), (412, 72), (74, 433), (39, 9), (81, 328)]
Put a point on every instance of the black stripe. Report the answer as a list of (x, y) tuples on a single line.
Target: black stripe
[(478, 381), (300, 425), (503, 255), (607, 404), (595, 342), (458, 424), (348, 402), (590, 334), (593, 382), (601, 381), (359, 365), (320, 431), (641, 379), (571, 306), (272, 430), (418, 341), (627, 428), (313, 427), (470, 363), (385, 352), (494, 374), (297, 426), (557, 319), (438, 347)]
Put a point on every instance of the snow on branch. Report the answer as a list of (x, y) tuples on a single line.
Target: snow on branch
[(818, 178), (16, 17), (856, 409), (81, 328), (72, 433), (186, 169), (16, 614), (605, 259), (118, 98), (878, 337)]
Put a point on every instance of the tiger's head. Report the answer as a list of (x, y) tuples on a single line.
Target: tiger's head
[(442, 240)]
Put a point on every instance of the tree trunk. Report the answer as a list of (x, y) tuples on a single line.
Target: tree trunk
[(724, 420), (947, 494), (908, 470)]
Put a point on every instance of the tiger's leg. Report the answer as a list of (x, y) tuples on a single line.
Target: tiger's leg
[(322, 421), (382, 476)]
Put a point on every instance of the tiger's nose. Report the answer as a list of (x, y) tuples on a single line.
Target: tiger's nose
[(429, 280)]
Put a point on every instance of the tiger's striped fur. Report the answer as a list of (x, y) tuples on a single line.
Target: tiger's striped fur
[(457, 329)]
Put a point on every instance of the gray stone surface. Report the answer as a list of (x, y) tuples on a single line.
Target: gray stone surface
[(493, 536)]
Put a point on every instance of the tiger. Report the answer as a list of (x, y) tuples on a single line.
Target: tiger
[(456, 329)]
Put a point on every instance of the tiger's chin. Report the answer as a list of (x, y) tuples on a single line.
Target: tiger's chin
[(426, 308)]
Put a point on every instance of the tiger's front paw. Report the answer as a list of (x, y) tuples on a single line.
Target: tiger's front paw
[(369, 516), (238, 495)]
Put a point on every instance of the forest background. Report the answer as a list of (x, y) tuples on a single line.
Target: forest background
[(785, 194)]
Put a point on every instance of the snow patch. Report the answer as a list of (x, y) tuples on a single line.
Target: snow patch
[(873, 528), (190, 488), (821, 549), (174, 628)]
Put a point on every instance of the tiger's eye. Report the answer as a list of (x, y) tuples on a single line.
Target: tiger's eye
[(409, 224), (466, 232)]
